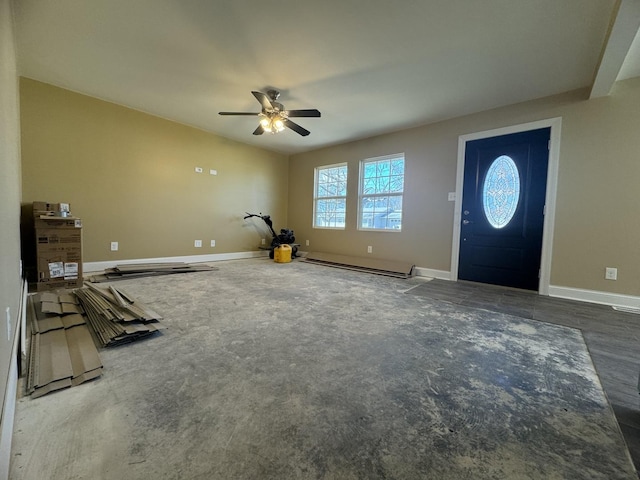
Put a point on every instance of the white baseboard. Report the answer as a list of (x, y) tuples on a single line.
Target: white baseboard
[(10, 397), (593, 296), (590, 296), (8, 415), (430, 272), (89, 267)]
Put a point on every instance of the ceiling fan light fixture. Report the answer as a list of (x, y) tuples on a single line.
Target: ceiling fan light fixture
[(272, 123), (274, 118), (266, 123)]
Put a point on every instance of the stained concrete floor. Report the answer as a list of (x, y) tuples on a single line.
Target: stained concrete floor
[(274, 371)]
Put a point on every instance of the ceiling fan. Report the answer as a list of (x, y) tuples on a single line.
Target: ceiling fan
[(273, 117)]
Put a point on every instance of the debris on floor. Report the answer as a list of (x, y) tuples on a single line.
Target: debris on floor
[(62, 353), (123, 272), (390, 268), (116, 317)]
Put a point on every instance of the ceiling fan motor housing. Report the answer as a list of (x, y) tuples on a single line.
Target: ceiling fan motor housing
[(273, 94)]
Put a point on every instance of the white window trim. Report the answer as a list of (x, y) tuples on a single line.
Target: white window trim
[(315, 195), (361, 194)]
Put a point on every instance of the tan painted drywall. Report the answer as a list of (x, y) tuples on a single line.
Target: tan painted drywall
[(131, 178), (598, 201), (10, 282)]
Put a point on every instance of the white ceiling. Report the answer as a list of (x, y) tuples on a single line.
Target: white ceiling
[(370, 66)]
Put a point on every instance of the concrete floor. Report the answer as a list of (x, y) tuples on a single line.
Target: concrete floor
[(281, 371), (612, 337)]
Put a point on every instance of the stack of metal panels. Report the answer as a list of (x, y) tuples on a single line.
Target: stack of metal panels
[(116, 317), (123, 272), (61, 351)]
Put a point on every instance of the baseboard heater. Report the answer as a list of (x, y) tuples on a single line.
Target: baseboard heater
[(371, 265)]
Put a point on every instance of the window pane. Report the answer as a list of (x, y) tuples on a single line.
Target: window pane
[(369, 185), (332, 182), (383, 212), (397, 167), (330, 197), (382, 186), (370, 170), (330, 213), (396, 183)]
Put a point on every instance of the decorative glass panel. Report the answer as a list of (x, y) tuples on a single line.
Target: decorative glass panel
[(501, 191)]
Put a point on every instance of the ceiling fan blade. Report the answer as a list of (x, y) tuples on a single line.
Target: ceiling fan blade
[(238, 113), (259, 130), (295, 127), (311, 112), (264, 100)]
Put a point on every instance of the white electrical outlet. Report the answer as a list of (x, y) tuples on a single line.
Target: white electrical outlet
[(213, 172), (452, 196), (114, 246), (307, 243), (197, 243), (369, 249), (198, 169), (213, 243), (263, 241), (611, 273)]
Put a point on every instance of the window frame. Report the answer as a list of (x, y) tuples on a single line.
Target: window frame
[(316, 178), (361, 193)]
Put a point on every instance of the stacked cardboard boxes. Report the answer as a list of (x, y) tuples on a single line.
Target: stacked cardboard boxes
[(58, 246)]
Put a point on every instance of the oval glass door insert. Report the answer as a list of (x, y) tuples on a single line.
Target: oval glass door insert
[(501, 191)]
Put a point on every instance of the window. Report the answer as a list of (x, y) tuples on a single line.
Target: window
[(330, 196), (381, 191)]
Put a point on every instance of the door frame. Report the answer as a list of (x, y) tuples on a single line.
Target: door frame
[(550, 196)]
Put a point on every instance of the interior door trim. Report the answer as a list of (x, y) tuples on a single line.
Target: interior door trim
[(550, 198)]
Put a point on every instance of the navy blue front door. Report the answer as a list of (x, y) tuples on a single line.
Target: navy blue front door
[(503, 200)]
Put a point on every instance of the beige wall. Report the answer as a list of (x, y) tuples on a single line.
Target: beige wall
[(598, 202), (130, 177), (10, 282)]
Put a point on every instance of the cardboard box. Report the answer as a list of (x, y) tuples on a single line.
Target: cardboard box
[(59, 258), (50, 209), (44, 222)]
